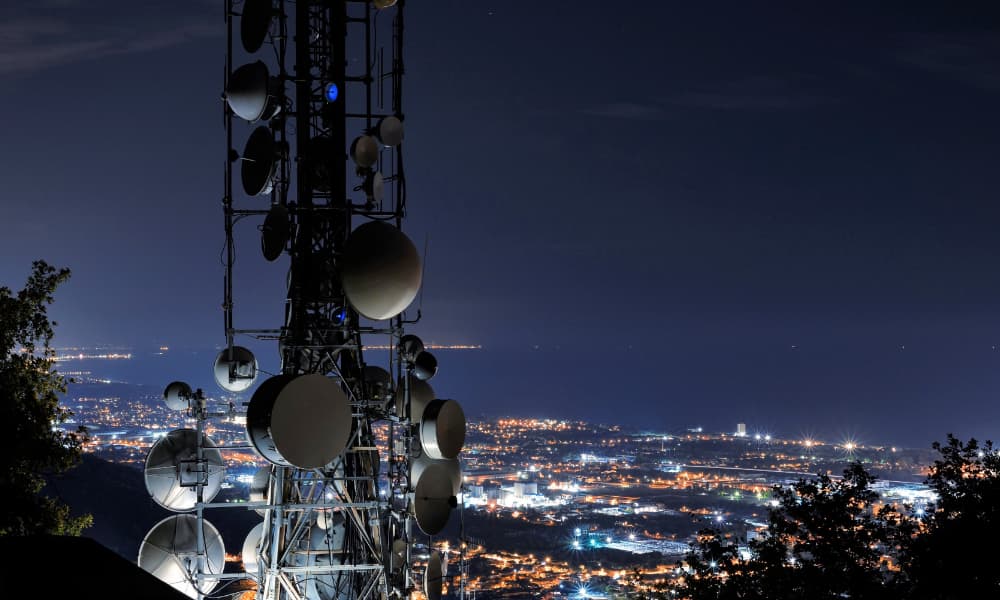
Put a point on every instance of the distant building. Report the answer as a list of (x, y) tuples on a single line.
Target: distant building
[(741, 429)]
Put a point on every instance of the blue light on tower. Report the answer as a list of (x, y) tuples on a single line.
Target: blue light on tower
[(332, 92)]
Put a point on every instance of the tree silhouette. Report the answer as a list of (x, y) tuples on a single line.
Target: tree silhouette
[(32, 445), (954, 556), (824, 540)]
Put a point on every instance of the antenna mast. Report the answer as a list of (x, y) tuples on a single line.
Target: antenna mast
[(336, 524)]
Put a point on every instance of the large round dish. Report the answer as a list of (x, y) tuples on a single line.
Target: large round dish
[(442, 429), (274, 233), (171, 468), (433, 499), (302, 421), (421, 394), (380, 270), (170, 552), (251, 550), (260, 163), (434, 576), (247, 93), (255, 24), (177, 395), (423, 463)]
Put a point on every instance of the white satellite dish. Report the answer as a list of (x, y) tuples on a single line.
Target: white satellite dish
[(172, 470), (237, 371), (433, 499), (442, 429), (421, 394), (302, 421), (170, 552), (251, 550), (390, 131), (364, 151), (259, 164), (321, 548), (176, 395), (374, 187), (433, 576), (249, 94), (380, 271)]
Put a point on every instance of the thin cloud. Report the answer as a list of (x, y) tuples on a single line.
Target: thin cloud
[(972, 59), (627, 110), (753, 94)]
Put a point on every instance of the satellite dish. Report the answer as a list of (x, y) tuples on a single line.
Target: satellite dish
[(251, 550), (237, 371), (259, 164), (425, 366), (374, 187), (410, 346), (321, 548), (258, 487), (172, 470), (302, 421), (390, 131), (255, 24), (170, 552), (433, 576), (378, 383), (380, 4), (398, 556), (364, 151), (274, 233), (421, 394), (248, 94), (177, 395), (422, 464), (381, 270), (433, 499), (442, 429)]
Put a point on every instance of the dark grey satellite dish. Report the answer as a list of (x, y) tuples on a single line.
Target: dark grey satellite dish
[(433, 499), (170, 552), (425, 366), (275, 232), (390, 131), (442, 429), (374, 187), (302, 421), (255, 23), (249, 93), (421, 394), (381, 270), (433, 576), (177, 395), (259, 163), (172, 470), (364, 151)]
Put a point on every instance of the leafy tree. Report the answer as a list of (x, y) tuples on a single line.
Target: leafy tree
[(823, 541), (31, 445), (954, 556)]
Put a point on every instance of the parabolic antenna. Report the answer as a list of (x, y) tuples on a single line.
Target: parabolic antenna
[(425, 366), (364, 151), (172, 470), (259, 163), (398, 556), (421, 394), (302, 421), (442, 429), (248, 93), (381, 270), (251, 548), (433, 576), (176, 395), (410, 346), (258, 487), (451, 466), (374, 187), (274, 233), (390, 131), (237, 370), (321, 548), (378, 383), (255, 24), (433, 499), (170, 552), (380, 4)]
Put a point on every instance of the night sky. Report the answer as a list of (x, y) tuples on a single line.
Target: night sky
[(663, 214)]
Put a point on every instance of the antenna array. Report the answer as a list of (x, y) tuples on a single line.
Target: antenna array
[(321, 171)]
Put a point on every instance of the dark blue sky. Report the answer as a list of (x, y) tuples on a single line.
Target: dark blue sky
[(783, 213)]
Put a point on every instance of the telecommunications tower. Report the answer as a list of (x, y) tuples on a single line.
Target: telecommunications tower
[(362, 459)]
